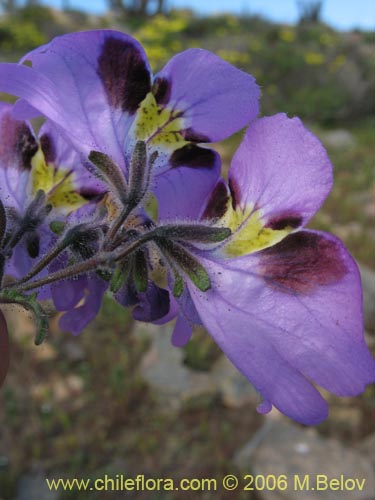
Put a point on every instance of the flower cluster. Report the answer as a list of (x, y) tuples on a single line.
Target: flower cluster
[(119, 192)]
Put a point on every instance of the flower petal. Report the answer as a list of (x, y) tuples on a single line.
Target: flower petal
[(153, 305), (182, 332), (279, 177), (37, 90), (76, 184), (312, 275), (66, 294), (17, 147), (77, 319), (181, 192), (282, 169), (244, 340), (105, 76), (209, 93), (289, 312)]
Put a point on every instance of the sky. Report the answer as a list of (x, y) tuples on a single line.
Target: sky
[(342, 14)]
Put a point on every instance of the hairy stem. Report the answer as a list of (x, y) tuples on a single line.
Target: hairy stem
[(69, 272), (113, 230), (87, 265), (39, 266)]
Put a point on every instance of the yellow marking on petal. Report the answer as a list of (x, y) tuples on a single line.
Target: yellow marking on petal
[(249, 232), (57, 183), (158, 125), (41, 175)]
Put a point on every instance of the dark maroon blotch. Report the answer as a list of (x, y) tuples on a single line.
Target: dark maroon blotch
[(192, 135), (235, 192), (218, 202), (161, 89), (301, 262), (18, 144), (48, 148), (281, 222), (91, 194), (124, 74), (33, 244), (26, 145), (193, 156)]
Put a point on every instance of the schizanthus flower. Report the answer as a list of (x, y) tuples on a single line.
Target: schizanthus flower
[(283, 302), (42, 182)]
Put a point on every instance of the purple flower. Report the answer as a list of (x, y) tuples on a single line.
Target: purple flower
[(42, 180), (98, 88), (285, 303)]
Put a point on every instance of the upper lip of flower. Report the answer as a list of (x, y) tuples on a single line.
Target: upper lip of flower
[(110, 98)]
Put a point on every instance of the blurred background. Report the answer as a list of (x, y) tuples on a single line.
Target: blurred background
[(119, 399)]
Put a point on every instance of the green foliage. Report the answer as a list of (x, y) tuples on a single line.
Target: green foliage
[(310, 70), (18, 36)]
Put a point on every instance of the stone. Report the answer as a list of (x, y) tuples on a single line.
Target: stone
[(281, 448), (367, 447), (163, 369), (73, 350), (338, 139)]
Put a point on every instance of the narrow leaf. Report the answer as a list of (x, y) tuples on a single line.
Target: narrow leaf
[(178, 287), (111, 172), (196, 233), (140, 272), (138, 172), (57, 226), (187, 262), (120, 275)]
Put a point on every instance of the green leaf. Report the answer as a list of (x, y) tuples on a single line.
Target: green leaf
[(120, 275), (179, 285), (107, 170), (140, 272), (198, 233), (187, 262), (57, 226)]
